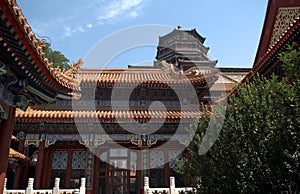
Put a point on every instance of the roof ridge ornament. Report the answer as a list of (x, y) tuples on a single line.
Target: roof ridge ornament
[(171, 69), (74, 68)]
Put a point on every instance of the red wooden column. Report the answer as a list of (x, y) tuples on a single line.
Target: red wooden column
[(21, 147), (25, 175), (6, 130), (46, 168), (96, 169), (39, 166), (48, 174)]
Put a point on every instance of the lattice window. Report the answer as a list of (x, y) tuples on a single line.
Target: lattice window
[(60, 160), (79, 160), (156, 159), (173, 154), (284, 18), (118, 152)]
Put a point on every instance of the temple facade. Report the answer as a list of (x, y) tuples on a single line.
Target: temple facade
[(111, 126), (123, 125), (114, 126)]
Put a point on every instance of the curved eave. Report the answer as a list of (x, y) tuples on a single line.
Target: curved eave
[(15, 154), (41, 71), (192, 32), (292, 31), (268, 25)]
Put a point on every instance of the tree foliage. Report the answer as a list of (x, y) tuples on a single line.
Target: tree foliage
[(291, 62), (258, 150), (56, 58)]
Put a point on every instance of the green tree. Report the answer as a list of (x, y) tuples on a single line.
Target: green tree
[(258, 150), (56, 58), (291, 62)]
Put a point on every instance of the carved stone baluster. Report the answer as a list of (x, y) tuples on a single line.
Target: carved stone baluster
[(56, 186), (146, 184), (82, 188), (29, 189), (172, 185)]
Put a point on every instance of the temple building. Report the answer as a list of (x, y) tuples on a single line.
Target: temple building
[(124, 124), (114, 126)]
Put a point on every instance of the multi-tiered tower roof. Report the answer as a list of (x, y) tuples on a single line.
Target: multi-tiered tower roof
[(184, 48)]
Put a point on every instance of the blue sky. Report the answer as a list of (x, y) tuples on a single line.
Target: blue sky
[(232, 28)]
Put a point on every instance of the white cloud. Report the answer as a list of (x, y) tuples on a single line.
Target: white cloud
[(133, 14), (68, 31), (89, 25), (118, 8), (100, 12), (113, 10)]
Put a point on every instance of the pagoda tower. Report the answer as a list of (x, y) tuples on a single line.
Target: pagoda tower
[(184, 49)]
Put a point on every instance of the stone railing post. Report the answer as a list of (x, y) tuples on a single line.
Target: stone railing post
[(5, 182), (55, 189), (82, 188), (186, 190), (172, 185), (146, 184), (29, 189), (149, 191)]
